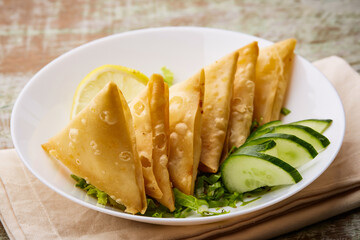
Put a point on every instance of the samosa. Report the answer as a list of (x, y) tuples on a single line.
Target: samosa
[(242, 102), (186, 100), (273, 73), (219, 79), (140, 110), (151, 121), (99, 145), (159, 108)]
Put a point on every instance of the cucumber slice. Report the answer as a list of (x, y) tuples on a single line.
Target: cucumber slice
[(255, 133), (247, 172), (257, 148), (319, 125), (316, 139), (289, 148), (269, 124)]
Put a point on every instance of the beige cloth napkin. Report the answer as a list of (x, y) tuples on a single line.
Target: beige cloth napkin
[(29, 209)]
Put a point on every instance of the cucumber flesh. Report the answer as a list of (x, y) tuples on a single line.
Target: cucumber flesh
[(289, 148), (243, 173), (319, 125)]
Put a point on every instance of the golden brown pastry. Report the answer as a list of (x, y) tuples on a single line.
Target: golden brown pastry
[(273, 72), (141, 113), (99, 145), (242, 102), (186, 99), (158, 95), (219, 79)]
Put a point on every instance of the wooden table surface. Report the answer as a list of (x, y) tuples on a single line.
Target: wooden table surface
[(34, 32)]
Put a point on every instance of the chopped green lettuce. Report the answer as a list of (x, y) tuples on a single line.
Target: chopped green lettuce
[(155, 209), (91, 190), (168, 76), (209, 193), (255, 124), (182, 212), (211, 189), (284, 111), (188, 201), (184, 203)]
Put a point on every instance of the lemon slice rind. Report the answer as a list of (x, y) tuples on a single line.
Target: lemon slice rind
[(129, 81)]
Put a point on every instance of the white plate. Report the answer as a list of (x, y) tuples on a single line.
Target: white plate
[(43, 106)]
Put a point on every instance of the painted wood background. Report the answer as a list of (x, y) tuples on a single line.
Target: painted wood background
[(34, 32)]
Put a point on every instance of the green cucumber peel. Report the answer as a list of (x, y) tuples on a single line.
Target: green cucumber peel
[(272, 136), (258, 130), (255, 148), (319, 138), (324, 140)]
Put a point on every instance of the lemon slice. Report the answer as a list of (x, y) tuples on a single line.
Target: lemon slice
[(130, 82)]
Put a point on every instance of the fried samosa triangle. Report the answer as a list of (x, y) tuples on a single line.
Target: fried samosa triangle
[(99, 145), (141, 114), (150, 111), (242, 102), (219, 79), (273, 73), (158, 94), (186, 100)]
